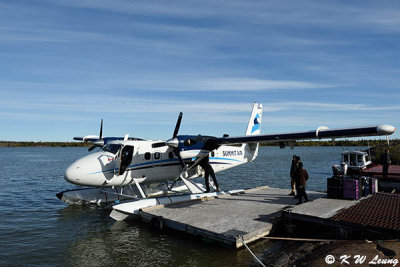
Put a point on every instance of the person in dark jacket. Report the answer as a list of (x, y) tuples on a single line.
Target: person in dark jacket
[(208, 170), (301, 176), (385, 159), (296, 167), (292, 179)]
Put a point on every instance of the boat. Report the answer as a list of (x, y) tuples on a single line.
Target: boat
[(358, 163)]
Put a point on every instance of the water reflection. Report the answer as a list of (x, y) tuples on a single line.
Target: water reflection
[(134, 244)]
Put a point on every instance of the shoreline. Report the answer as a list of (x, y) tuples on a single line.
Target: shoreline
[(42, 144)]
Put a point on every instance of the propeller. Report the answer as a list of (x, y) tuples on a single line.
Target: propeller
[(174, 142), (178, 125), (99, 142)]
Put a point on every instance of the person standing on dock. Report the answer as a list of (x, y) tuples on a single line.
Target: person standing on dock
[(292, 178), (301, 177), (385, 159), (208, 170)]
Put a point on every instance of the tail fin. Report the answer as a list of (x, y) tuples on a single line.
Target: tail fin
[(253, 128)]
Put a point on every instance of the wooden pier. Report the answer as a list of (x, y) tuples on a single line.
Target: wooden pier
[(255, 213), (377, 214), (227, 219)]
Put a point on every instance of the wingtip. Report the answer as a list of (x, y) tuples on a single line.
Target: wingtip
[(386, 129)]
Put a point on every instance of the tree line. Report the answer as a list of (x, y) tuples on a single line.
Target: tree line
[(361, 142), (42, 144)]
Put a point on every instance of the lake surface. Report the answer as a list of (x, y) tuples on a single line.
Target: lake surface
[(37, 229)]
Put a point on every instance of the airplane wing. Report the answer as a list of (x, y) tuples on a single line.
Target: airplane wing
[(321, 133), (105, 140), (89, 138)]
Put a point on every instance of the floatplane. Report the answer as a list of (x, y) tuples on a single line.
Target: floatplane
[(147, 173)]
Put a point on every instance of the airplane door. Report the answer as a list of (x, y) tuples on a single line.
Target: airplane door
[(126, 159)]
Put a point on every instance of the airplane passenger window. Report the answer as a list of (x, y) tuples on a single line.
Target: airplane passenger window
[(147, 156), (157, 155)]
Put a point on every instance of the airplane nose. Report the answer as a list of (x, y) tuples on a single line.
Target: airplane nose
[(72, 174), (87, 171)]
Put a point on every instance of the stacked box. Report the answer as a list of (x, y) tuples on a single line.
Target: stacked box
[(373, 185), (366, 190), (351, 189), (334, 188)]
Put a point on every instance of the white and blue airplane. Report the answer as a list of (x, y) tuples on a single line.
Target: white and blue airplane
[(127, 167)]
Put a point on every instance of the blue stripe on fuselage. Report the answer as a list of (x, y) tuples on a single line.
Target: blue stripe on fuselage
[(160, 161)]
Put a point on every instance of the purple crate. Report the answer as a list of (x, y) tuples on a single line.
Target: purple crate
[(373, 185), (351, 189), (350, 184)]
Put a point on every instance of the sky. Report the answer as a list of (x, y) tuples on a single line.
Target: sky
[(67, 64)]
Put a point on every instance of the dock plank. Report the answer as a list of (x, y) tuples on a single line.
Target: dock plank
[(323, 208), (225, 218)]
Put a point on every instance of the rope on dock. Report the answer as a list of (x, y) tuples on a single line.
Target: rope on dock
[(320, 240), (244, 244), (301, 239)]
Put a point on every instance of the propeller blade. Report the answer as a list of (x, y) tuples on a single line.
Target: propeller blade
[(178, 125), (101, 130), (91, 148), (176, 152)]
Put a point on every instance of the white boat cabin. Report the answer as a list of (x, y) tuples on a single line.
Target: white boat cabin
[(356, 159)]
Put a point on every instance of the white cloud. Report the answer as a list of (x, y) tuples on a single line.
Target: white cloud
[(250, 84), (324, 106)]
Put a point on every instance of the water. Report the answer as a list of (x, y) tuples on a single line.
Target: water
[(37, 229)]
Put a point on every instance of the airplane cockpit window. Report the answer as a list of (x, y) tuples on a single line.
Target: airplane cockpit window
[(189, 142), (112, 148)]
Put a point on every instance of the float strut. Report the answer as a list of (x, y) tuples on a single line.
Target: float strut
[(139, 188)]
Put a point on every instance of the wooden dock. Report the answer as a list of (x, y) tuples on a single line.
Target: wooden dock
[(227, 219), (255, 213), (377, 214)]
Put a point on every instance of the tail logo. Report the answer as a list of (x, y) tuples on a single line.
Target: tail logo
[(257, 124)]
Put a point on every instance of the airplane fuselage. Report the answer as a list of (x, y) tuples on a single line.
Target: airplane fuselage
[(148, 163)]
